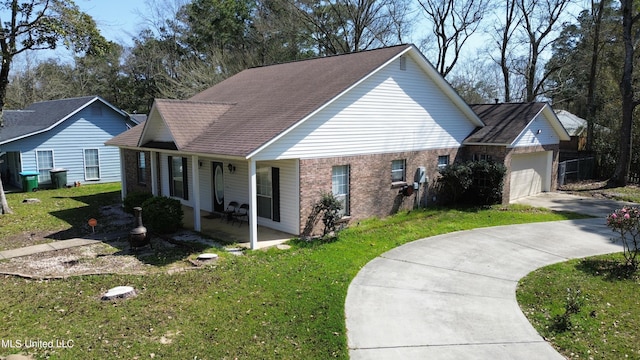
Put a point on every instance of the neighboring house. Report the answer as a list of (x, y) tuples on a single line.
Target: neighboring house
[(364, 126), (577, 129), (524, 137), (62, 134)]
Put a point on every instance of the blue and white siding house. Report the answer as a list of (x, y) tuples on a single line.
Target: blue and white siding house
[(64, 134)]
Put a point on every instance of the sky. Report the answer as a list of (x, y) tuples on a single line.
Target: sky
[(118, 20)]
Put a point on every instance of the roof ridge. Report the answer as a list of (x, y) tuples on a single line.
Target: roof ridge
[(320, 57), (189, 101)]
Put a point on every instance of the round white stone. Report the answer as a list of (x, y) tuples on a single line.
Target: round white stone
[(207, 256), (119, 291)]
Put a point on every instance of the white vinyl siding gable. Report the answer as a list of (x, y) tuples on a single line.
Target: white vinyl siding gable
[(155, 129), (538, 132), (392, 111)]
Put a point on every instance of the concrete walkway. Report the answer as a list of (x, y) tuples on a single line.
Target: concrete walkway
[(453, 296), (60, 244)]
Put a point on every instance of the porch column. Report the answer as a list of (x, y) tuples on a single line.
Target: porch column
[(253, 206), (195, 185), (154, 173), (123, 175)]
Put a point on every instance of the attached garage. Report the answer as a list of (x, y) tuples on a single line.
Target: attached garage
[(530, 174)]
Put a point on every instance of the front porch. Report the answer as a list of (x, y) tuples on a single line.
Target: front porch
[(219, 228)]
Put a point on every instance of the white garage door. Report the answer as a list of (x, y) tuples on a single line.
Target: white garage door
[(530, 174)]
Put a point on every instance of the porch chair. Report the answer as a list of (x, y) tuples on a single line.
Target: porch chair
[(242, 214), (231, 209)]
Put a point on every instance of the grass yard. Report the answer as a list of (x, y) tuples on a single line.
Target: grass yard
[(607, 322), (61, 214), (267, 304)]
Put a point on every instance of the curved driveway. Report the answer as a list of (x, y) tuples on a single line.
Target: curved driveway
[(453, 296)]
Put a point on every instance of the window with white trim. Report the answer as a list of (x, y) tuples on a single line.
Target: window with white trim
[(264, 194), (340, 187), (178, 182), (44, 163), (91, 164), (443, 161), (142, 168), (398, 170)]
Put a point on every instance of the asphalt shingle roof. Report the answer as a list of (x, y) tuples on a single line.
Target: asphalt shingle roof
[(504, 122), (256, 105), (38, 117)]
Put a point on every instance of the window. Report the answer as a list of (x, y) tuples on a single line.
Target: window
[(178, 184), (44, 162), (443, 161), (263, 189), (142, 168), (482, 157), (91, 164), (340, 187), (397, 170)]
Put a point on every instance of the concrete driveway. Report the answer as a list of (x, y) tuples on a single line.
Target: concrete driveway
[(453, 296)]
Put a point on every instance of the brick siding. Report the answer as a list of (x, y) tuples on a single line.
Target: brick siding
[(131, 171), (370, 188)]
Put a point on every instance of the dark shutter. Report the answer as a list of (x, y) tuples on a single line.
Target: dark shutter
[(275, 194), (170, 158), (185, 179)]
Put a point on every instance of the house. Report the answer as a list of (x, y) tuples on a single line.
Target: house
[(372, 127), (525, 138), (64, 134), (577, 129)]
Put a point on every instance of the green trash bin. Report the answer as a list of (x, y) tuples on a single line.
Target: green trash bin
[(58, 178), (29, 181)]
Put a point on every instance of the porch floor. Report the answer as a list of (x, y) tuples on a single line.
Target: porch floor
[(218, 227)]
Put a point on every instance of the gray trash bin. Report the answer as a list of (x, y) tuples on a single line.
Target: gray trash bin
[(58, 178)]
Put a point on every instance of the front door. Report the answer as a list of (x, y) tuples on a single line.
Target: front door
[(218, 187)]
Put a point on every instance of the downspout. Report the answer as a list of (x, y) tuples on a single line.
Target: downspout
[(253, 205)]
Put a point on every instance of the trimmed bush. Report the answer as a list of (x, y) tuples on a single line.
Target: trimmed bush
[(162, 215), (134, 199), (473, 182)]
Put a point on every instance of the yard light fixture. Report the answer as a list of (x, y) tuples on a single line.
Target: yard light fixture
[(231, 168)]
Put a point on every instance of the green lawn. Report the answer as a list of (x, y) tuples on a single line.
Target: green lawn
[(606, 325), (268, 304)]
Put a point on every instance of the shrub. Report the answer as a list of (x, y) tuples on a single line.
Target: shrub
[(573, 304), (474, 182), (488, 182), (162, 215), (136, 198), (626, 222), (454, 181), (329, 207)]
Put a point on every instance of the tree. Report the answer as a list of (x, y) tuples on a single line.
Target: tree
[(629, 102), (504, 33), (539, 19), (38, 25), (453, 22), (343, 26)]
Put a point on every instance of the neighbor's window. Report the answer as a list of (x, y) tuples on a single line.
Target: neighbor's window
[(178, 185), (340, 187), (142, 168), (44, 163), (264, 191), (91, 164), (443, 161), (397, 170)]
